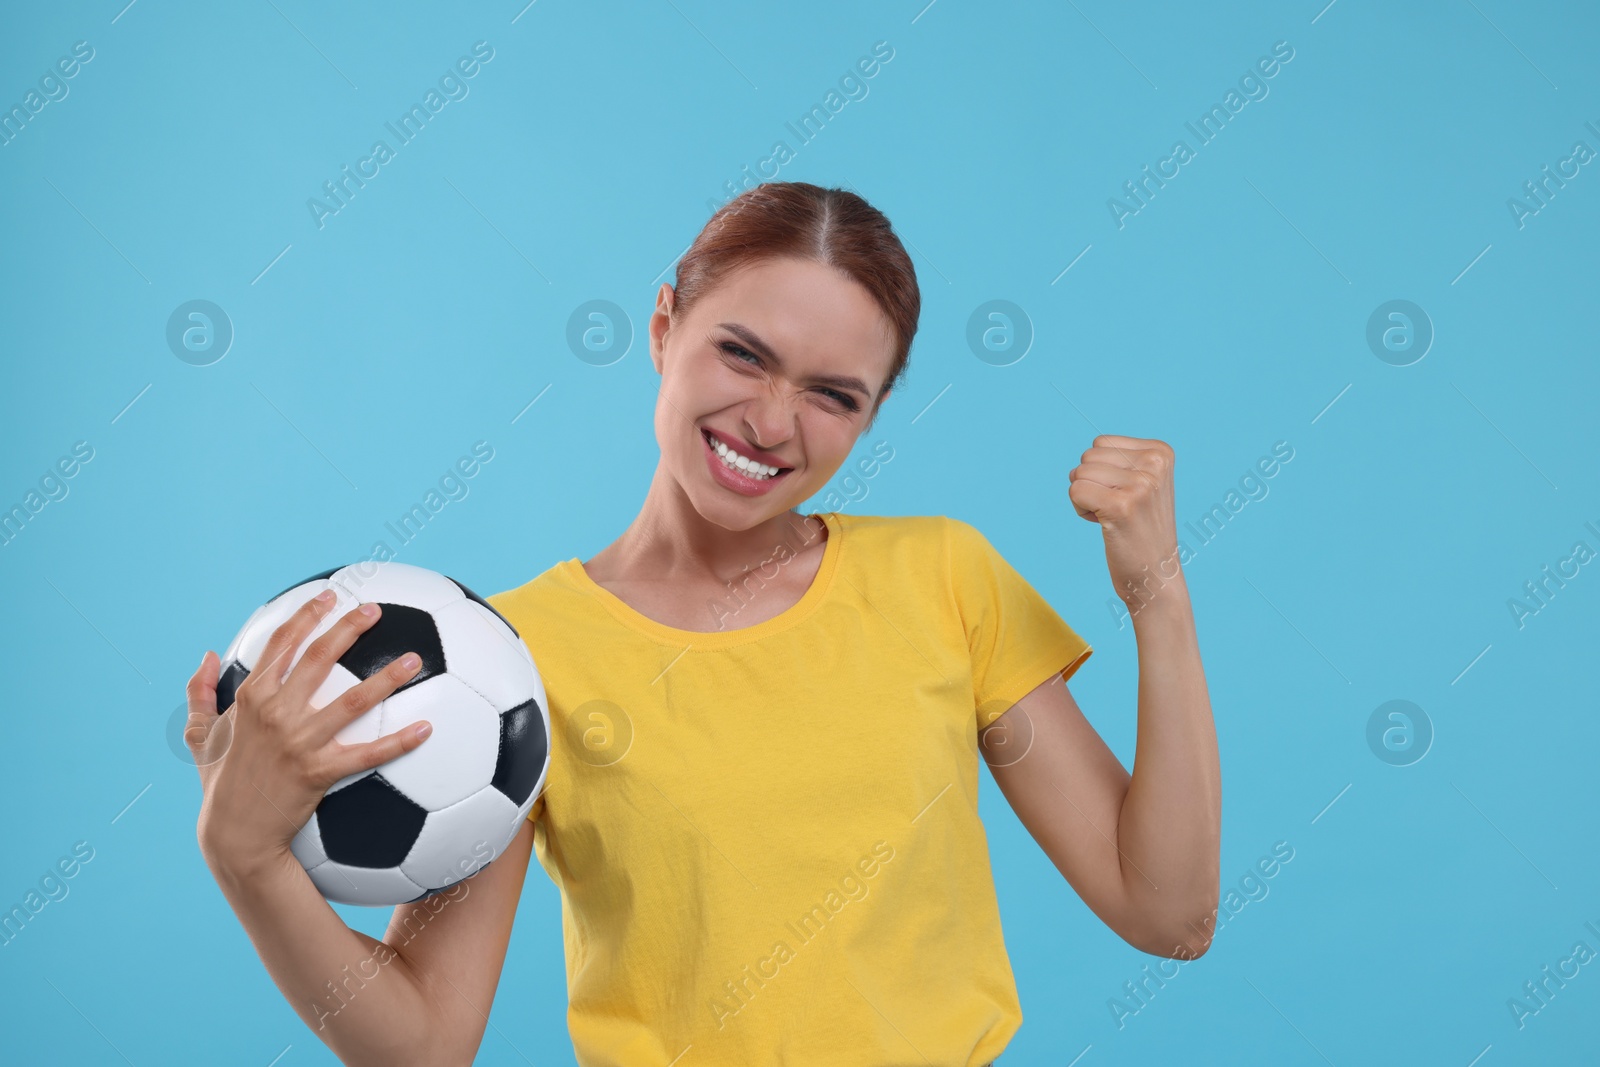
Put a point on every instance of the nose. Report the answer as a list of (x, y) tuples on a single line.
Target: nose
[(770, 418)]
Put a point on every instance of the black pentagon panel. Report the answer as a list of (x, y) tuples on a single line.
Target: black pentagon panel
[(303, 581), (470, 595), (369, 823), (228, 682), (399, 629), (523, 746)]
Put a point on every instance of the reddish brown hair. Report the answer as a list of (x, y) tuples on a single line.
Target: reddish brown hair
[(832, 226)]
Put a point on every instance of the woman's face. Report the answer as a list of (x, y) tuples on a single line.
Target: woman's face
[(780, 363)]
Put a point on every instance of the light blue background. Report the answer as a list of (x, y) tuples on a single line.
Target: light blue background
[(1229, 314)]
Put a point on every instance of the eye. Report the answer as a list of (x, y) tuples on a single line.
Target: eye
[(732, 349), (738, 352), (848, 402)]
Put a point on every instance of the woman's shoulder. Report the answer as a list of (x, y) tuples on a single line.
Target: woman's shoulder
[(939, 542), (553, 583), (899, 535)]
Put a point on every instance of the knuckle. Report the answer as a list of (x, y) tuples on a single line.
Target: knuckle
[(318, 653), (315, 774), (273, 716), (353, 759), (309, 775), (356, 699)]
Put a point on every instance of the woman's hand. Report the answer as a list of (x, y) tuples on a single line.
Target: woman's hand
[(266, 762), (1125, 484)]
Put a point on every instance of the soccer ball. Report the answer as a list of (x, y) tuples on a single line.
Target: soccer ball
[(428, 819)]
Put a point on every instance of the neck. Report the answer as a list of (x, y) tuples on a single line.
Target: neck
[(670, 540)]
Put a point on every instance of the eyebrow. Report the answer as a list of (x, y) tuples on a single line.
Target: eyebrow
[(761, 348)]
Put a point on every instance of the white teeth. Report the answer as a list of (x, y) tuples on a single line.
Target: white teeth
[(743, 464)]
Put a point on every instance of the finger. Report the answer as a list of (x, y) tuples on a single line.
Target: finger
[(1112, 440), (1150, 459), (268, 675), (353, 759), (1089, 498), (1147, 453), (1107, 474), (324, 652), (356, 701), (202, 697)]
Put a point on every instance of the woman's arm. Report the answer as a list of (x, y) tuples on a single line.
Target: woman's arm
[(1142, 851), (421, 995)]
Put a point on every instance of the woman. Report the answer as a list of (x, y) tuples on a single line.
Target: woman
[(761, 810)]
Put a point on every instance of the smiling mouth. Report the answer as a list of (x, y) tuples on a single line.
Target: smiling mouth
[(731, 459)]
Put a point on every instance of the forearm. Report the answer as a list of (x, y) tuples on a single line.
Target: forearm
[(1169, 830), (356, 993)]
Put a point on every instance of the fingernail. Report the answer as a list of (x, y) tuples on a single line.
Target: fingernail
[(325, 597), (424, 729), (369, 610), (410, 660)]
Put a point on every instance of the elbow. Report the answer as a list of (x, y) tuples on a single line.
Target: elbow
[(1184, 935), (1192, 947), (1199, 929), (1174, 945), (435, 1050), (459, 1056)]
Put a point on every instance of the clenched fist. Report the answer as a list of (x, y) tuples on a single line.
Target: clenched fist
[(1125, 484)]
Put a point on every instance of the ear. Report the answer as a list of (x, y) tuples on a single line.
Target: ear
[(660, 323)]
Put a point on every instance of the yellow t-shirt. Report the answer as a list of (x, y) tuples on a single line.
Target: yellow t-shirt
[(766, 838)]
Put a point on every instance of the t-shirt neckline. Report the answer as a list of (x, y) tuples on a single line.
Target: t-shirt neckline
[(821, 582)]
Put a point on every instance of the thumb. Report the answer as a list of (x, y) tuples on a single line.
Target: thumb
[(202, 696)]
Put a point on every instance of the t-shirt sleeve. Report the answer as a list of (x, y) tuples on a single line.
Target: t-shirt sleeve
[(501, 604), (1016, 638)]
